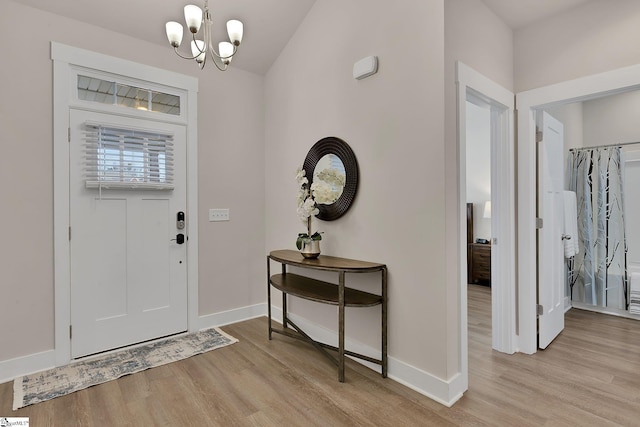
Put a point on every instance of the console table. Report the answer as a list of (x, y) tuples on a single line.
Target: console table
[(327, 293)]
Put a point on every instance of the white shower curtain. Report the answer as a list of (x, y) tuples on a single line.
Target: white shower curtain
[(598, 274)]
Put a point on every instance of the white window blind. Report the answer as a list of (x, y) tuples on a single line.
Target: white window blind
[(120, 158)]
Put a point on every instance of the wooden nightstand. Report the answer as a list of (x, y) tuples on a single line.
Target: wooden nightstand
[(479, 263)]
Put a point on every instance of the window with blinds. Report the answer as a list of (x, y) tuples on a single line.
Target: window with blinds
[(127, 159)]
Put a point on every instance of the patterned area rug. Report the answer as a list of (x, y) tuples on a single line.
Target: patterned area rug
[(67, 379)]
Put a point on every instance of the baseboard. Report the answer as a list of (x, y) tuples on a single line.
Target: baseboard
[(232, 316), (444, 392), (24, 365)]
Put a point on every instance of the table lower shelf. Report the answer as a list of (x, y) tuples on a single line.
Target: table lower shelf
[(320, 291), (299, 334)]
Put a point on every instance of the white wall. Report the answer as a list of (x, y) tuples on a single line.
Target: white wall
[(612, 119), (598, 36), (479, 167), (476, 36), (231, 164), (394, 123)]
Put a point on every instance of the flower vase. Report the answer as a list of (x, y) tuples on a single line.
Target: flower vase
[(311, 249)]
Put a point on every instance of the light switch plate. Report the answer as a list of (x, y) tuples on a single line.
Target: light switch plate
[(218, 215)]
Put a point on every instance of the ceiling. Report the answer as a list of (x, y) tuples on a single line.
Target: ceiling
[(520, 13), (268, 24)]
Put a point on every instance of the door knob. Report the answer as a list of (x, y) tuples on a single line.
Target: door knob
[(566, 237), (179, 239)]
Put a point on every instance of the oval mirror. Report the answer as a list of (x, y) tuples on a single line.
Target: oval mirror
[(335, 172)]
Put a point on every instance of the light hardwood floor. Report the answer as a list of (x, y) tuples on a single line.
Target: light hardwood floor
[(590, 376)]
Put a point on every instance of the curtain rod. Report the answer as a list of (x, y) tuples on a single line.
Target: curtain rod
[(604, 146)]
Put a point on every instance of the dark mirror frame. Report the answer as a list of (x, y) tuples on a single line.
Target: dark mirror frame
[(333, 145)]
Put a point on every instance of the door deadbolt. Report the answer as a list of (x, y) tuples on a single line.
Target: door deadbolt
[(180, 221)]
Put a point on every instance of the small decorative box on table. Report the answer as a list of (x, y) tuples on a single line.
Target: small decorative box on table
[(327, 293)]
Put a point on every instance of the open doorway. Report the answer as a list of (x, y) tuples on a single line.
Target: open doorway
[(478, 230), (603, 149), (499, 104)]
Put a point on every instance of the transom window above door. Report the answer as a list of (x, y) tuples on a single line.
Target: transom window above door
[(114, 93)]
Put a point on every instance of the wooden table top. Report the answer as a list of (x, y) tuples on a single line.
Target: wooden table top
[(324, 262)]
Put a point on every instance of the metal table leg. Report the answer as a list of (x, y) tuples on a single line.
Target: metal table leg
[(384, 323), (341, 327), (269, 295)]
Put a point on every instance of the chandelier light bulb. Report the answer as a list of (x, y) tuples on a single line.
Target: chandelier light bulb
[(199, 50), (174, 33), (193, 17), (226, 51), (235, 30)]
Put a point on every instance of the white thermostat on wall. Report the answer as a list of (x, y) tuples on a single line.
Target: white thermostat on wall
[(365, 67)]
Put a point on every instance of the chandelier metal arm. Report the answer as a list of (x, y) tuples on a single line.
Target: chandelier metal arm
[(182, 56), (212, 51)]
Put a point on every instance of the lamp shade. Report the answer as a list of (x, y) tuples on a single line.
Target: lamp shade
[(174, 33), (193, 17), (226, 51), (198, 49), (235, 30), (487, 209)]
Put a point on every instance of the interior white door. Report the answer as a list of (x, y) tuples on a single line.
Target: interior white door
[(550, 244), (128, 277)]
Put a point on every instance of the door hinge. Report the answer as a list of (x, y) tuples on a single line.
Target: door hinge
[(538, 135), (70, 331), (539, 309), (69, 233), (538, 223), (68, 134)]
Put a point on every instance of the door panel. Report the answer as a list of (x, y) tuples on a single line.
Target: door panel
[(128, 278), (550, 244), (156, 214)]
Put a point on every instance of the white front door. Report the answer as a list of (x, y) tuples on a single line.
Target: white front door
[(550, 244), (128, 272)]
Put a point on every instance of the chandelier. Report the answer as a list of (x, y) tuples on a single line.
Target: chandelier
[(195, 17)]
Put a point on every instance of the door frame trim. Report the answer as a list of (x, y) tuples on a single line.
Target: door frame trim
[(65, 58), (580, 89), (470, 82)]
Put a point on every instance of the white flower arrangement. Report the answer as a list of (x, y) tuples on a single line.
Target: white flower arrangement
[(307, 207), (323, 192)]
